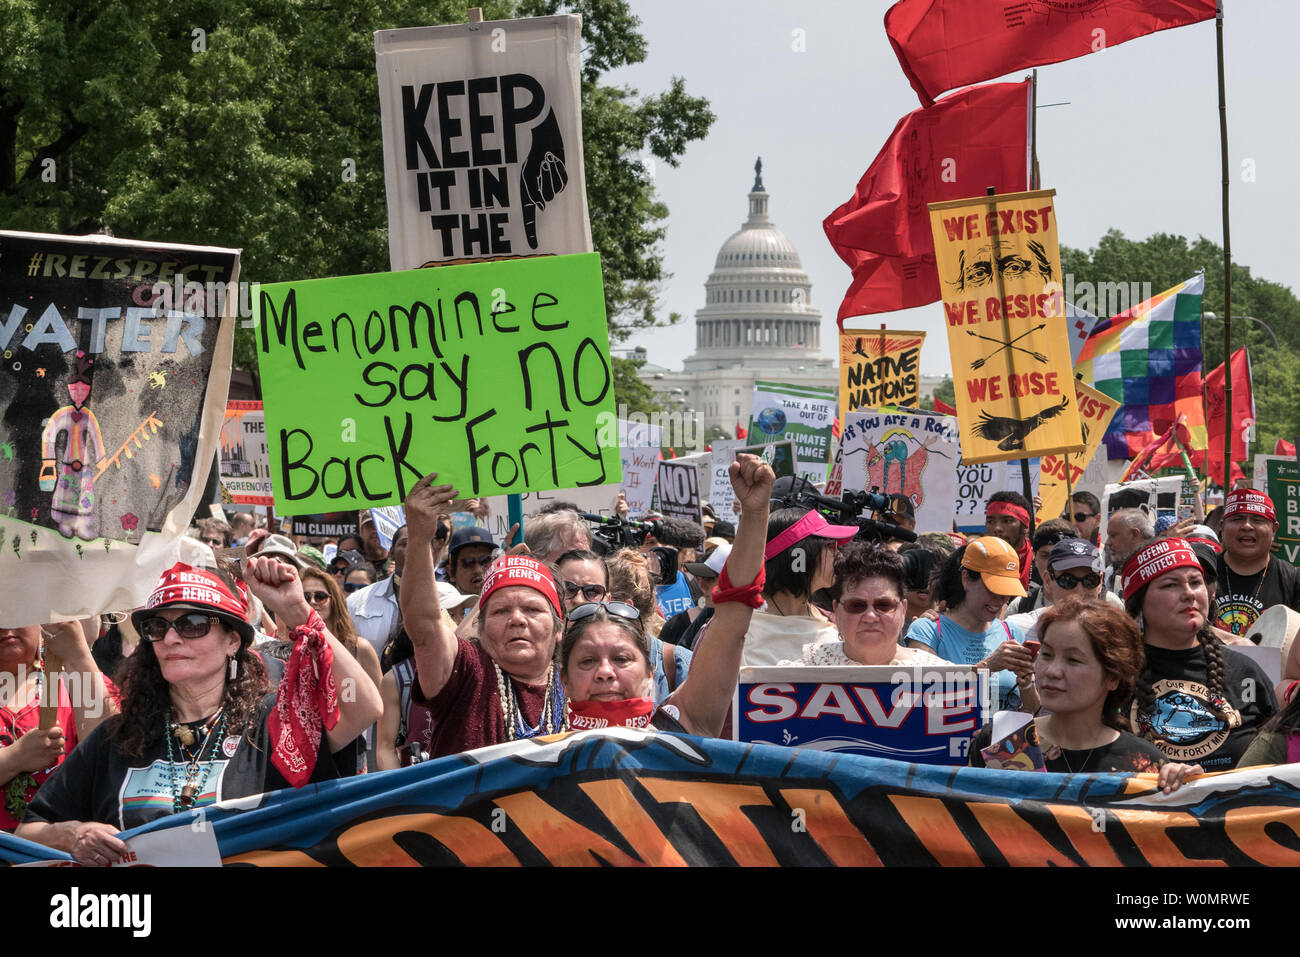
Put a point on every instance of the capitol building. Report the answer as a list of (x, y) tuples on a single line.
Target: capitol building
[(758, 322)]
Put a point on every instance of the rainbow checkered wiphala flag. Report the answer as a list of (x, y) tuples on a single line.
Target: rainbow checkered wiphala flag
[(1150, 359)]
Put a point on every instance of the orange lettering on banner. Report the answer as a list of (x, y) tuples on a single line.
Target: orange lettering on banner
[(564, 841), (1085, 834), (720, 807), (272, 859), (626, 813), (1150, 832), (831, 828), (936, 830), (371, 844), (1245, 827), (1017, 840)]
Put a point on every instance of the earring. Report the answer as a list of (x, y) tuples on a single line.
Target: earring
[(233, 668)]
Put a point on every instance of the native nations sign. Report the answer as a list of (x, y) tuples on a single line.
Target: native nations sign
[(1096, 409), (999, 270), (909, 453), (116, 361), (625, 797), (879, 367), (482, 131), (495, 375)]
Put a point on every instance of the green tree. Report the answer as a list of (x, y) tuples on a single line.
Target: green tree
[(1164, 261), (630, 392), (240, 123), (945, 391)]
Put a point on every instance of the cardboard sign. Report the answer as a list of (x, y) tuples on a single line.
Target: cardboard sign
[(879, 367), (495, 375), (1000, 275), (1157, 495), (679, 491), (1279, 477), (113, 378), (922, 715), (802, 414), (905, 453), (1096, 409), (482, 132), (977, 483), (245, 467)]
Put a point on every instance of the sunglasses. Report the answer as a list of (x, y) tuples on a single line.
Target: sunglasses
[(589, 592), (882, 606), (620, 609), (1084, 516), (194, 625), (354, 586), (1069, 581), (316, 597)]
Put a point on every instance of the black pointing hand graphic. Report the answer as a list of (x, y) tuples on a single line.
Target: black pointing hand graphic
[(544, 175)]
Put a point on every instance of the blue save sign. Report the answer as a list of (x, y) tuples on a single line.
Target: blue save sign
[(923, 715)]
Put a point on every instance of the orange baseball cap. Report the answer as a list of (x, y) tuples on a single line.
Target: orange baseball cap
[(997, 563)]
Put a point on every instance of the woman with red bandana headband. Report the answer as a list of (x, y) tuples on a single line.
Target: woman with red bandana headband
[(605, 655), (197, 725), (1197, 701), (508, 684)]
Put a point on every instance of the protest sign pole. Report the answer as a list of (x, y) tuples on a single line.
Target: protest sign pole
[(515, 509), (1006, 332), (50, 692), (1227, 267)]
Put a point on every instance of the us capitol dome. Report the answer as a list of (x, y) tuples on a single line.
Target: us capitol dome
[(758, 322)]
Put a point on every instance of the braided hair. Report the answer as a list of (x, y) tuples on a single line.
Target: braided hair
[(1145, 698)]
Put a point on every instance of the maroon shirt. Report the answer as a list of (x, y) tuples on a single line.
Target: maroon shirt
[(467, 711)]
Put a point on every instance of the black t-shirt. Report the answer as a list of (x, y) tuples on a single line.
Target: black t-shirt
[(1243, 598), (96, 783), (682, 631), (1128, 752), (1185, 727)]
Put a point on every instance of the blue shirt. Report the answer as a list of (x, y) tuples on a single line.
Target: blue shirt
[(952, 642), (674, 598)]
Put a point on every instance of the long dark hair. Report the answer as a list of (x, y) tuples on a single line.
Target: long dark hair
[(1211, 647), (146, 699), (805, 555)]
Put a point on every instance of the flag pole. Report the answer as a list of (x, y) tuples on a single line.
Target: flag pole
[(1227, 264)]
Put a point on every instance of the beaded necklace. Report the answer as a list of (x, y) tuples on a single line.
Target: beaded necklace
[(554, 715), (193, 787)]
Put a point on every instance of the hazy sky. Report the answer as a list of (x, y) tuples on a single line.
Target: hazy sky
[(1137, 148)]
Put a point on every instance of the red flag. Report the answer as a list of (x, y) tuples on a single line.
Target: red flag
[(1243, 412), (944, 44), (1284, 447), (957, 148), (943, 407), (741, 433)]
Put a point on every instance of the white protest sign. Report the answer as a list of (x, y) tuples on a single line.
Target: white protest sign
[(482, 134), (977, 483), (909, 453)]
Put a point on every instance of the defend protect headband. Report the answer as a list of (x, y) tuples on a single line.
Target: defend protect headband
[(1249, 500), (1155, 560)]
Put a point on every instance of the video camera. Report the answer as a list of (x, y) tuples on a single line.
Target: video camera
[(792, 492)]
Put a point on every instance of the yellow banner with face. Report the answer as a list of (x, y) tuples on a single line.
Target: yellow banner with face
[(999, 272), (1096, 409)]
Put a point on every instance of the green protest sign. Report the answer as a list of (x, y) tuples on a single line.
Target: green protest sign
[(1279, 477), (494, 375)]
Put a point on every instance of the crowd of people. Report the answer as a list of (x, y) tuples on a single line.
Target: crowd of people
[(272, 660)]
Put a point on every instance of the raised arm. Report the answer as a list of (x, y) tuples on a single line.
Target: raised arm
[(89, 695), (706, 694), (279, 588), (434, 641)]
